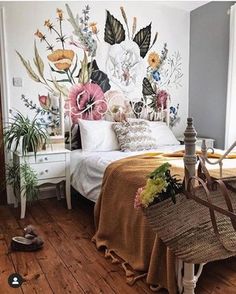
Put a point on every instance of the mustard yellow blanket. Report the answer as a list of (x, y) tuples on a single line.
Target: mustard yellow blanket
[(123, 230)]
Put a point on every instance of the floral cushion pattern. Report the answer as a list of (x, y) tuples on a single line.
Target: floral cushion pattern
[(134, 136)]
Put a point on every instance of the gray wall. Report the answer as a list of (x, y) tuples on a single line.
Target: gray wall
[(209, 48)]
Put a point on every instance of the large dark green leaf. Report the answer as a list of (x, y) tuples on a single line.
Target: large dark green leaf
[(99, 77), (143, 39), (114, 31), (147, 87)]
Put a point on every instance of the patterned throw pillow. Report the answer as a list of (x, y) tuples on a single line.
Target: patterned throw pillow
[(134, 136)]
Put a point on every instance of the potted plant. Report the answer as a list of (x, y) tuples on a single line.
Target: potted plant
[(21, 131), (30, 136)]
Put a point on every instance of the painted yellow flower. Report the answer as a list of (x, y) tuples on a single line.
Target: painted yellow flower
[(39, 35), (153, 60), (60, 14), (62, 59), (93, 26)]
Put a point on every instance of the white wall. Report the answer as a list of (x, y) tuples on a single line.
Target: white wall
[(24, 18)]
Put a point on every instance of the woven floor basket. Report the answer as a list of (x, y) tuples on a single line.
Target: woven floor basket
[(186, 227)]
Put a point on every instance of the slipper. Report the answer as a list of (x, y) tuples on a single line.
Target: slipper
[(30, 232), (23, 244)]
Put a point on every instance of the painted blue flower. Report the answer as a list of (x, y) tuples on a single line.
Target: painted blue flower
[(173, 110), (156, 75)]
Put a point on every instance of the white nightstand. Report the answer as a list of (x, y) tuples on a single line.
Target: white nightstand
[(52, 167)]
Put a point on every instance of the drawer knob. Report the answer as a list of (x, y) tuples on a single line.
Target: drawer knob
[(46, 158), (46, 170)]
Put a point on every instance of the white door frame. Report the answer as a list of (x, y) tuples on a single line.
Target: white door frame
[(4, 83), (3, 67)]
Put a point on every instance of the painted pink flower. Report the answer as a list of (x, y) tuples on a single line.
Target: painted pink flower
[(87, 102), (45, 101), (161, 99), (137, 200)]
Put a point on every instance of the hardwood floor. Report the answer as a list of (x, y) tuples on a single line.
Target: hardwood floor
[(69, 262)]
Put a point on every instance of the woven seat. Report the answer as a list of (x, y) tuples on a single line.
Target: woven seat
[(186, 227)]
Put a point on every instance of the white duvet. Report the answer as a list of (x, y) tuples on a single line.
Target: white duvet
[(87, 168)]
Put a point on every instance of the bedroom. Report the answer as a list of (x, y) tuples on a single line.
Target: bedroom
[(169, 52)]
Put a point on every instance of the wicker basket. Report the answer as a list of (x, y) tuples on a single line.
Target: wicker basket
[(201, 226)]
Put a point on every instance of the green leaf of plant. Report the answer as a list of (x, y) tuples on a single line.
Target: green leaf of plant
[(22, 128), (114, 30), (38, 61), (160, 171), (147, 87), (143, 38), (29, 69)]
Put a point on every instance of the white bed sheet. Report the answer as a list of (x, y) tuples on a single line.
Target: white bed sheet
[(87, 168)]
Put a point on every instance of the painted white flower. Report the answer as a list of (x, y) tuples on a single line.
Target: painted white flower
[(126, 68)]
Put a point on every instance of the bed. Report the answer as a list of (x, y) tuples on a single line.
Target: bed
[(87, 168), (122, 231)]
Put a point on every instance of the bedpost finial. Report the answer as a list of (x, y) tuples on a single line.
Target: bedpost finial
[(190, 158), (190, 132), (190, 121)]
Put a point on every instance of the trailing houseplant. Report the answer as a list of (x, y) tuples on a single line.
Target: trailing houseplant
[(25, 132), (29, 184), (30, 136)]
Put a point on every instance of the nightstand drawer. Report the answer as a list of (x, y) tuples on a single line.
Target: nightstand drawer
[(46, 158), (50, 170)]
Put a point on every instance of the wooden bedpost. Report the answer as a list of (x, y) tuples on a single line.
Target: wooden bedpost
[(190, 158)]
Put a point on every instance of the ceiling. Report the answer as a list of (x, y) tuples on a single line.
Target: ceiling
[(185, 5)]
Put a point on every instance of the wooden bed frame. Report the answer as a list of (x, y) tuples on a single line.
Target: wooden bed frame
[(186, 276)]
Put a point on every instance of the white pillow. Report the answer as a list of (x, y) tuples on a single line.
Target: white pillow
[(162, 133), (97, 135)]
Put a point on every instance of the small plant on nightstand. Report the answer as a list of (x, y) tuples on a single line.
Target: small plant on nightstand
[(25, 132)]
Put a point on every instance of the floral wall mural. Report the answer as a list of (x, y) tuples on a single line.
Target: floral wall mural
[(101, 68)]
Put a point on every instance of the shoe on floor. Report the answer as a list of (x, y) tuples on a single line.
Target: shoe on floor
[(23, 244)]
